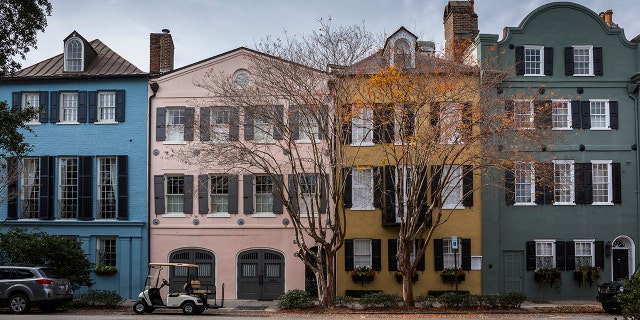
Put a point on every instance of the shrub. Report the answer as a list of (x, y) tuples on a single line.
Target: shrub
[(294, 299), (380, 299), (491, 301), (98, 298), (511, 300), (448, 299), (340, 301), (426, 301), (359, 293), (471, 301), (631, 298)]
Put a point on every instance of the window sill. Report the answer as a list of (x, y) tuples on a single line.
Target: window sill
[(602, 204), (218, 215), (562, 129), (533, 75), (564, 203), (584, 75), (525, 204), (174, 215), (600, 129), (65, 123), (174, 142), (105, 122), (363, 209), (306, 141), (363, 144), (263, 215), (33, 123)]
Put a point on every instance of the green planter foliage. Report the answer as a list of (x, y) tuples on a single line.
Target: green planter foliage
[(547, 276), (586, 274)]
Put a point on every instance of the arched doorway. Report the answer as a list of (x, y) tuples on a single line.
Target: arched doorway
[(260, 274), (622, 257), (205, 260)]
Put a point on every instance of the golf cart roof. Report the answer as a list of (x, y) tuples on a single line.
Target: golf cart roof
[(171, 264)]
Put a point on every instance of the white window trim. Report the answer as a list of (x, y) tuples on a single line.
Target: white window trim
[(450, 122), (367, 135), (607, 126), (533, 186), (572, 183), (446, 242), (553, 250), (66, 67), (541, 49), (531, 113), (370, 263), (609, 182), (61, 107), (35, 120), (99, 119), (166, 124), (590, 48), (453, 184), (569, 115), (216, 214), (593, 254), (370, 205)]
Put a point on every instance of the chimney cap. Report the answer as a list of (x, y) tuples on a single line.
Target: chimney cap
[(165, 31)]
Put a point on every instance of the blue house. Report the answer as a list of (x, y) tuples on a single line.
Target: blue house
[(87, 174)]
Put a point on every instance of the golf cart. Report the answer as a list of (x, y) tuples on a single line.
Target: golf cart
[(194, 297)]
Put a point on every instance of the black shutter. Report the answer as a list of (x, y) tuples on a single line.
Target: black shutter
[(376, 254), (346, 124), (47, 187), (233, 194), (509, 185), (419, 244), (161, 123), (92, 105), (467, 122), (123, 188), (16, 101), (576, 116), (548, 61), (158, 191), (54, 106), (205, 124), (348, 254), (578, 173), (598, 64), (278, 121), (293, 192), (585, 110), (465, 254), (588, 185), (294, 122), (436, 173), (409, 120), (543, 114), (378, 187), (44, 106), (12, 189), (203, 193), (323, 193), (544, 183), (438, 255), (82, 106), (616, 181), (383, 127), (85, 188), (509, 106), (277, 200), (599, 254), (531, 255), (247, 188), (568, 61), (348, 188), (423, 196), (248, 123), (234, 125), (613, 114), (392, 249), (188, 194), (434, 114), (189, 118), (389, 196), (120, 105), (560, 255), (519, 60), (467, 186), (570, 249)]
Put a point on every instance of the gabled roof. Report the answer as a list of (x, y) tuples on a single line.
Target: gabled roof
[(107, 64), (425, 63), (401, 29)]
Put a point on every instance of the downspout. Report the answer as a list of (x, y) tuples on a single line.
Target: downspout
[(154, 88)]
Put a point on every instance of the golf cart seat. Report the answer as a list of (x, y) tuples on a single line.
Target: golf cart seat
[(193, 286)]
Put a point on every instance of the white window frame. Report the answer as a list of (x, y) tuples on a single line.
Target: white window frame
[(31, 100), (405, 172), (542, 247), (362, 188), (412, 249), (526, 170), (561, 114), (448, 260), (589, 58), (262, 130), (74, 55), (563, 182), (220, 123), (106, 107), (308, 127), (582, 245), (262, 200), (362, 252), (174, 195), (362, 127), (218, 189), (107, 188), (606, 115), (175, 125), (452, 190), (30, 188), (308, 191), (450, 119), (602, 180), (68, 108), (107, 251), (530, 64), (68, 187), (523, 120)]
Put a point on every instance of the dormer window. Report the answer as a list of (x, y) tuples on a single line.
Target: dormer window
[(402, 54), (73, 55)]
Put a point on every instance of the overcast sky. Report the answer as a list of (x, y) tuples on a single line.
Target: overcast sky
[(205, 28)]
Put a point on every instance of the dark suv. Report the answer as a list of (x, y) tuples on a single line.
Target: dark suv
[(609, 293), (22, 287)]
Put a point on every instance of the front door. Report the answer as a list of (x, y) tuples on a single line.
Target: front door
[(513, 273), (620, 264), (260, 275), (179, 276)]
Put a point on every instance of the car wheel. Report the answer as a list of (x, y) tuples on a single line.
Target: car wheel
[(47, 307), (140, 307), (199, 310), (19, 303), (189, 308)]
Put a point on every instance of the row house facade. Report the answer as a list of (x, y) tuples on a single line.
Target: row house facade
[(573, 205), (88, 165)]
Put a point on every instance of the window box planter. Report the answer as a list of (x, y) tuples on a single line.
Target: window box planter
[(586, 274), (105, 270), (362, 274), (547, 276), (452, 275), (362, 278)]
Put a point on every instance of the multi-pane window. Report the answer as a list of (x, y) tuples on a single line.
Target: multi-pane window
[(73, 55), (452, 192), (362, 189), (219, 193), (524, 174), (533, 60), (107, 106), (450, 120), (308, 192), (68, 188), (450, 257), (30, 191), (69, 104), (584, 253), (412, 250), (107, 254), (107, 181), (523, 114), (545, 253), (402, 54), (582, 60), (263, 194), (403, 181), (175, 124), (262, 129), (362, 127), (362, 252), (31, 100), (563, 182), (220, 121), (175, 194), (601, 181), (308, 126), (561, 114), (599, 110)]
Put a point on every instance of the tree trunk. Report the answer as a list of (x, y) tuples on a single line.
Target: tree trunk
[(407, 290), (405, 265), (326, 290)]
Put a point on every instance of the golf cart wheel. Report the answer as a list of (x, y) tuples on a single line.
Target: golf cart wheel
[(140, 307), (189, 308)]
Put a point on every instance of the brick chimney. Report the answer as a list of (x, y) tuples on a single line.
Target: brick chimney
[(607, 16), (161, 52), (460, 28)]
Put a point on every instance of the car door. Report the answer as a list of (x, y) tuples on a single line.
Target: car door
[(5, 282)]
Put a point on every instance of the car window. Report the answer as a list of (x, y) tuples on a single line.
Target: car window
[(50, 273), (5, 274), (22, 274)]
